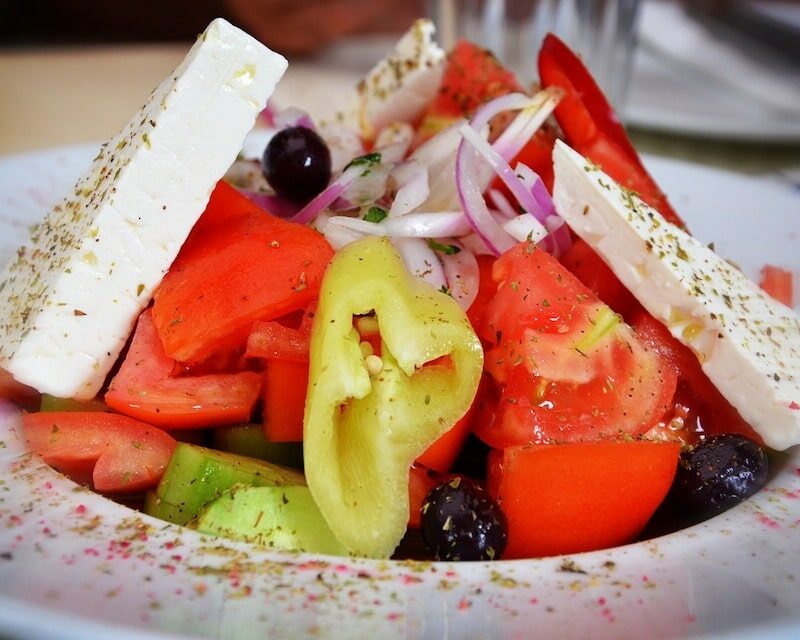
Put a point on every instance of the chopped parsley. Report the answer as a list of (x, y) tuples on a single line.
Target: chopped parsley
[(367, 161), (376, 214), (447, 249)]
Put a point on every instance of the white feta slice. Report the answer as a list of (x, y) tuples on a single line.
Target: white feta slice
[(69, 298), (748, 344), (399, 86)]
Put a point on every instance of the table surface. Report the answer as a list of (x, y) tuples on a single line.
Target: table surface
[(59, 96)]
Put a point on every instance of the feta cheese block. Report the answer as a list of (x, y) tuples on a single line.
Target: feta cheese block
[(748, 344), (70, 297), (399, 86)]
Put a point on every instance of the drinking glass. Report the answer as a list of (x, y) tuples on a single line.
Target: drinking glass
[(602, 32)]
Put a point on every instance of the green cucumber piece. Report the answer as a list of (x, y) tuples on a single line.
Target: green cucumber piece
[(250, 440), (195, 476), (163, 510), (277, 517)]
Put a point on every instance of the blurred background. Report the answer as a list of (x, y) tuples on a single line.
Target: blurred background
[(712, 81)]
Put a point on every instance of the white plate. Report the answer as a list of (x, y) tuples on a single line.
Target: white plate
[(74, 565)]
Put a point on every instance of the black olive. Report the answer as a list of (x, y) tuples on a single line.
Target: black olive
[(460, 521), (719, 473), (297, 163)]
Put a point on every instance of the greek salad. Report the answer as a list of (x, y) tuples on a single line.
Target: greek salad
[(461, 323)]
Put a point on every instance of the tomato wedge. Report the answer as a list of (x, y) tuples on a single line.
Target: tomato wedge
[(779, 283), (591, 126), (285, 388), (144, 388), (239, 265), (567, 498), (115, 452), (700, 406), (566, 368)]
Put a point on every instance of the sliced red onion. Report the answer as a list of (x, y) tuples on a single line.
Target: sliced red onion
[(413, 225), (344, 143), (293, 117), (362, 227), (536, 110), (535, 185), (367, 187), (393, 141), (411, 180), (427, 225), (275, 205), (500, 201), (471, 195), (559, 235), (421, 261), (462, 273), (526, 227), (507, 102), (477, 246), (438, 156), (267, 115), (527, 123), (331, 192), (514, 182), (337, 235), (559, 239)]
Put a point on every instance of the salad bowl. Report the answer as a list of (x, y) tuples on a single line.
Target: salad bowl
[(76, 565)]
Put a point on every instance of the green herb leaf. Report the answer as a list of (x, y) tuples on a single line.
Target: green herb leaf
[(367, 161), (447, 249), (376, 214)]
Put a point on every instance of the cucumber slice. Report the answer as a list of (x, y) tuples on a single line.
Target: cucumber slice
[(158, 508), (249, 440), (195, 476), (276, 517)]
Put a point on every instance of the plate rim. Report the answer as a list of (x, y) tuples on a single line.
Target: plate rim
[(7, 601)]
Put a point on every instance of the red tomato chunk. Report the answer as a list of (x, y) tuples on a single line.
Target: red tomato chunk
[(567, 498), (239, 265), (566, 368), (115, 453), (145, 388)]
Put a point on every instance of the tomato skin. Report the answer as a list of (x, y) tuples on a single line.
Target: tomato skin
[(585, 264), (285, 389), (568, 498), (546, 388), (239, 265), (270, 339), (707, 412), (118, 453), (778, 283), (591, 126), (144, 388)]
